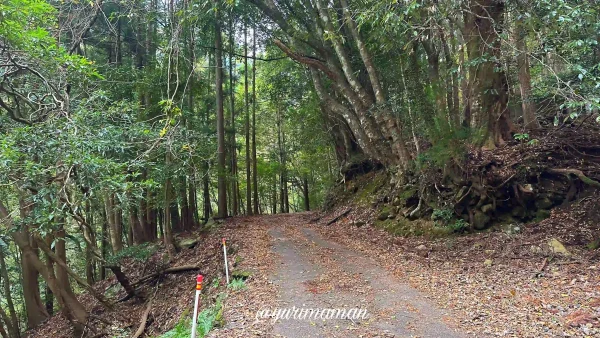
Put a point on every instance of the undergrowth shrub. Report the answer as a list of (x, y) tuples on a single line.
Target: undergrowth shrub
[(448, 144), (237, 284), (207, 320), (446, 218), (139, 253)]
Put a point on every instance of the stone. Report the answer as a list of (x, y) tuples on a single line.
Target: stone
[(488, 263), (518, 212), (421, 247), (241, 274), (557, 247), (544, 203), (211, 223), (383, 215), (480, 220), (487, 208), (511, 228), (535, 250), (392, 216), (541, 215), (397, 201), (187, 243), (359, 223)]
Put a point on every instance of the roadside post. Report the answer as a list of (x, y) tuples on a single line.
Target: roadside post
[(225, 256), (199, 280)]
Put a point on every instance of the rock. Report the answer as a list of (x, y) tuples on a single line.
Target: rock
[(511, 228), (544, 203), (383, 215), (397, 201), (527, 188), (558, 247), (477, 245), (489, 252), (488, 263), (187, 243), (480, 220), (422, 247), (241, 274), (541, 215), (487, 208), (392, 216), (358, 224), (518, 212), (535, 250), (210, 224)]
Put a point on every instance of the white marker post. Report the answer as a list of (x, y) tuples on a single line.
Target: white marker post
[(199, 279), (226, 265)]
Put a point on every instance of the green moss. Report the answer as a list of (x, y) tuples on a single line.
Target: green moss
[(365, 194), (407, 193), (420, 227), (593, 245), (541, 215), (241, 274)]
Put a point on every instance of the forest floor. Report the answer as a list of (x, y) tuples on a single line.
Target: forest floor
[(479, 285)]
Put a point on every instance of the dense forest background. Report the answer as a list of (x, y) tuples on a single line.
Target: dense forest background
[(126, 122)]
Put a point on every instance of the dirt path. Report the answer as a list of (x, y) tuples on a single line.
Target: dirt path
[(314, 273)]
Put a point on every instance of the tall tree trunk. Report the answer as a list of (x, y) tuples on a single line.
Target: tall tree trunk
[(89, 257), (247, 124), (222, 182), (32, 267), (34, 307), (305, 193), (489, 82), (254, 158), (12, 323), (529, 119), (104, 242), (166, 227), (274, 196), (393, 128), (234, 177), (114, 223)]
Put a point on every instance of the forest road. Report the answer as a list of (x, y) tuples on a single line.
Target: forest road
[(316, 273)]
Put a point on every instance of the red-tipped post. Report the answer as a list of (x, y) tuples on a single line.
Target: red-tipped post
[(225, 257), (199, 280)]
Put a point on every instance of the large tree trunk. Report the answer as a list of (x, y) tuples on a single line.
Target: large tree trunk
[(490, 87), (32, 266), (114, 223), (11, 321), (234, 177), (104, 242), (247, 125), (305, 193), (529, 119), (167, 228), (222, 182), (90, 262), (254, 158), (34, 307)]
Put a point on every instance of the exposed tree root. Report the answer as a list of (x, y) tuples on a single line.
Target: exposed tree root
[(143, 321), (176, 269), (577, 173), (335, 219)]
